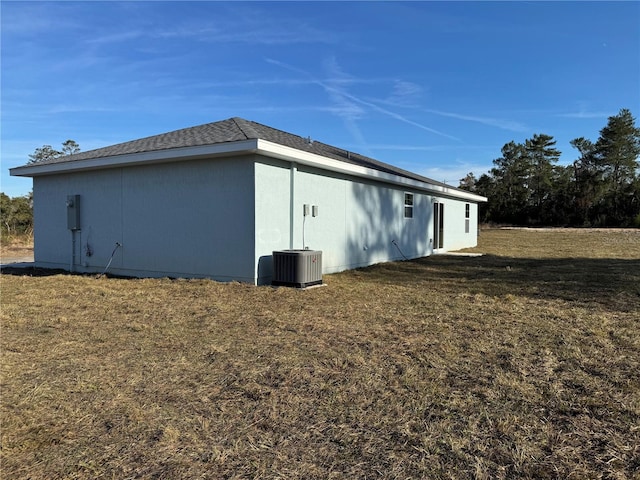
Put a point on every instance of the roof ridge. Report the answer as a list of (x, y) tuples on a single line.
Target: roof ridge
[(250, 125), (245, 128)]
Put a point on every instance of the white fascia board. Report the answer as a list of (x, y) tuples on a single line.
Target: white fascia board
[(263, 147), (282, 152), (157, 156)]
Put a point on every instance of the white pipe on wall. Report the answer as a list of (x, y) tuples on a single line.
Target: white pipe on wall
[(292, 189)]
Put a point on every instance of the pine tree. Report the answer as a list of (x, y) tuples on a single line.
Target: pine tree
[(468, 182), (616, 157), (47, 152), (44, 154), (511, 189), (485, 186), (70, 147), (542, 156), (586, 181)]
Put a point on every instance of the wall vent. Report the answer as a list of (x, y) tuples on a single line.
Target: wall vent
[(297, 268)]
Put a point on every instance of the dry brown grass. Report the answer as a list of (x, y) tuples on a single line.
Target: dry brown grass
[(14, 246), (524, 363)]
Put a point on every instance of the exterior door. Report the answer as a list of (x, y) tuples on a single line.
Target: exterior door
[(438, 225)]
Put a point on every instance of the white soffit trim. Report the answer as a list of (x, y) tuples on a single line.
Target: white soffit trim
[(282, 152), (263, 147), (156, 156)]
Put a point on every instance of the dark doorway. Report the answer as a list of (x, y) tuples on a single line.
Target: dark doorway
[(438, 225)]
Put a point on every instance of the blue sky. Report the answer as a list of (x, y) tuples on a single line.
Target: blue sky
[(436, 88)]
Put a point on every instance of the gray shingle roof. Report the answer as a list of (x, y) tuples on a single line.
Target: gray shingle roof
[(233, 130)]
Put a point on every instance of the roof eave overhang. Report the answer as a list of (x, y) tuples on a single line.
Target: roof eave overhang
[(143, 158), (261, 147), (282, 152)]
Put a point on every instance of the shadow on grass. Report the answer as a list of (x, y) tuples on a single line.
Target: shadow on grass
[(31, 271), (614, 282), (611, 282)]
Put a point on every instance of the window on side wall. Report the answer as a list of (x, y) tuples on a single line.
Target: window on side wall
[(408, 205), (466, 218)]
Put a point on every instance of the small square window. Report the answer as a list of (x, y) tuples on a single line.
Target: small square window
[(408, 205)]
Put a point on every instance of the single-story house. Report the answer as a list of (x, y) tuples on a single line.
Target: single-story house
[(216, 200)]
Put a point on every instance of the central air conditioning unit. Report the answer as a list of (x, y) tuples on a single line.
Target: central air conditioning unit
[(297, 268)]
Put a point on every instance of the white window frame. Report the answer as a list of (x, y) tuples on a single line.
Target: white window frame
[(408, 204), (467, 216)]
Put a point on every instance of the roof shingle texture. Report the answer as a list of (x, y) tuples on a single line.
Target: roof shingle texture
[(233, 130)]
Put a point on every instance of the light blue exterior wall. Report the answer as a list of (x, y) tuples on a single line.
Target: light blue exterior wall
[(455, 237), (359, 223), (222, 218), (100, 219), (272, 215), (181, 219)]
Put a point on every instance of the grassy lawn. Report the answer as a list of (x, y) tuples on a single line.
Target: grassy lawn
[(523, 363)]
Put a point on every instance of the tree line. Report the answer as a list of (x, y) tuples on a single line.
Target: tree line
[(525, 186), (17, 212), (600, 188), (47, 152)]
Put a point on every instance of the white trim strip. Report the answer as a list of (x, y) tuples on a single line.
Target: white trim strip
[(276, 150), (156, 156), (263, 147)]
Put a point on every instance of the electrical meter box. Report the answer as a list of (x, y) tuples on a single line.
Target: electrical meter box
[(73, 212)]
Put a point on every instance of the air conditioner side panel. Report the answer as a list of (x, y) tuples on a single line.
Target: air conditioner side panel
[(297, 268)]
